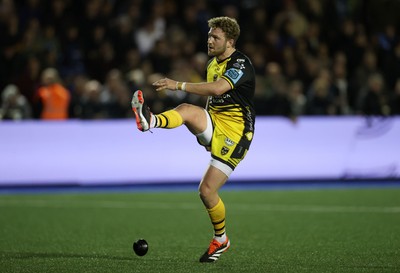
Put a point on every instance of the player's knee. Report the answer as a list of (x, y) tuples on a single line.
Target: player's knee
[(184, 108), (189, 112), (205, 191)]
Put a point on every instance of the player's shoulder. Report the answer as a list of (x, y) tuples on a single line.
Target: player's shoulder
[(239, 53), (240, 60)]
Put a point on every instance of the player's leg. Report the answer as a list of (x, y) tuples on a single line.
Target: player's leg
[(213, 180), (194, 117)]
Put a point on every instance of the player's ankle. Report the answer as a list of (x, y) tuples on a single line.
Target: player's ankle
[(220, 238)]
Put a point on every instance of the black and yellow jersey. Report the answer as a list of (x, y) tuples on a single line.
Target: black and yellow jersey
[(234, 111)]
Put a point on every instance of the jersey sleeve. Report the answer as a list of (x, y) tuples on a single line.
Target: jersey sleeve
[(238, 71)]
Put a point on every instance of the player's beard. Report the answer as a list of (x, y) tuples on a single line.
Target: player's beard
[(215, 52)]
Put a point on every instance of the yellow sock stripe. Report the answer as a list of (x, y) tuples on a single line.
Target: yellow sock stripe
[(169, 119), (219, 229), (217, 216), (163, 120)]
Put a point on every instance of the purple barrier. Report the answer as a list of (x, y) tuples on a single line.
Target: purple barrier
[(114, 151)]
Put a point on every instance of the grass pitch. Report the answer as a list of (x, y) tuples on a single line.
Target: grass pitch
[(335, 230)]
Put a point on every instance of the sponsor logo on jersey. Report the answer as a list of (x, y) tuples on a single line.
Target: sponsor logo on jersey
[(234, 74), (224, 150), (221, 98), (239, 64), (229, 142), (249, 118)]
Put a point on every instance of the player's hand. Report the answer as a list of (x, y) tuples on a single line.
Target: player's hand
[(165, 84)]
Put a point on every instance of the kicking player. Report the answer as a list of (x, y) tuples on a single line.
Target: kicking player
[(225, 127)]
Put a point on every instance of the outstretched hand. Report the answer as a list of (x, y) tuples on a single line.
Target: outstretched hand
[(164, 84)]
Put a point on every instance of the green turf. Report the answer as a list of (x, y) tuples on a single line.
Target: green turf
[(342, 230)]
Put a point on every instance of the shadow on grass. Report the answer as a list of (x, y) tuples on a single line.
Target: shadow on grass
[(33, 255)]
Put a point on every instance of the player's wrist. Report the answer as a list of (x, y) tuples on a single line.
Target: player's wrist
[(180, 86)]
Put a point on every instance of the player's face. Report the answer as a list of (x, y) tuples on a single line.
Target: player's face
[(216, 42)]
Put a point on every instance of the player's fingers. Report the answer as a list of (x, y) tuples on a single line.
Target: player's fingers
[(161, 87), (160, 82)]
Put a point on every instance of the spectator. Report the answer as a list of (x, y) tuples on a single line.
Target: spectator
[(104, 61), (132, 60), (297, 98), (59, 14), (50, 47), (91, 38), (72, 57), (14, 105), (92, 106), (394, 100), (151, 31), (260, 98), (31, 41), (9, 43), (320, 100), (122, 36), (52, 99), (160, 58), (391, 64), (77, 88), (116, 94), (277, 102), (374, 102), (341, 85), (92, 50), (366, 68), (28, 81)]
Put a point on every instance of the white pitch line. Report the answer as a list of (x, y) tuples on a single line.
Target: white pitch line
[(318, 208), (73, 204)]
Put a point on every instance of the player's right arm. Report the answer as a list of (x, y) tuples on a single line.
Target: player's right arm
[(214, 88)]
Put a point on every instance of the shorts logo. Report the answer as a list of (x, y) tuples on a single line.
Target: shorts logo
[(249, 136), (224, 150), (229, 142)]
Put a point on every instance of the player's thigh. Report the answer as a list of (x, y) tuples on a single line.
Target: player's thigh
[(226, 152), (193, 116)]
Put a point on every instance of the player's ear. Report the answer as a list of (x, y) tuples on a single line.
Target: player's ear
[(231, 42)]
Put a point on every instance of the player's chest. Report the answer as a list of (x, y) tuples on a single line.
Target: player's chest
[(215, 71)]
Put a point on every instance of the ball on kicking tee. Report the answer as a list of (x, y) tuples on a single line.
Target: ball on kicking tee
[(140, 247)]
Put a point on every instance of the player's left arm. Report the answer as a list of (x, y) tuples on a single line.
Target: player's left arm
[(214, 88)]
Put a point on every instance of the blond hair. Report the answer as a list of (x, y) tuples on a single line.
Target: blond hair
[(228, 25)]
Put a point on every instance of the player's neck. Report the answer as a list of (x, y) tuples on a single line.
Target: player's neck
[(228, 52)]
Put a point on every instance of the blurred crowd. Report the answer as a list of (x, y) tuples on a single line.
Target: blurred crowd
[(83, 59)]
